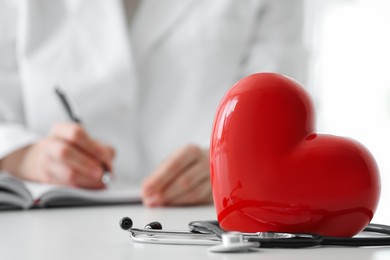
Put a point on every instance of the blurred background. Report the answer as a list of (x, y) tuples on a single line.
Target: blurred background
[(349, 77)]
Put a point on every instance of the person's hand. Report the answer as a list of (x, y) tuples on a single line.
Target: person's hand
[(68, 156), (182, 179)]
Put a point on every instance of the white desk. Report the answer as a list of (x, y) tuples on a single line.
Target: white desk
[(94, 233)]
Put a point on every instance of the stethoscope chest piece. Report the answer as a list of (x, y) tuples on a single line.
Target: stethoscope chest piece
[(233, 242)]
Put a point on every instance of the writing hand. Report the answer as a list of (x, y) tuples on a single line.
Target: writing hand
[(182, 179), (68, 156)]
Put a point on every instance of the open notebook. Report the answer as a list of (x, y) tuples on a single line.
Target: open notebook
[(15, 193)]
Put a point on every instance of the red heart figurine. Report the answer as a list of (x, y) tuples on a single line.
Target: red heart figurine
[(270, 171)]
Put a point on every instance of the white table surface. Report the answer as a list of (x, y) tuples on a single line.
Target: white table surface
[(94, 233)]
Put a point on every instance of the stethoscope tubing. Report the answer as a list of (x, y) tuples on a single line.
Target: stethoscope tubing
[(210, 233), (306, 240)]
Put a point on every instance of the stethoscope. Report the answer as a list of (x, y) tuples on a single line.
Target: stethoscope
[(210, 233)]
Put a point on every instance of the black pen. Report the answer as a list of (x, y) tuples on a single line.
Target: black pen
[(106, 178)]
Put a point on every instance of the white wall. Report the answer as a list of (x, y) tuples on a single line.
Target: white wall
[(351, 77)]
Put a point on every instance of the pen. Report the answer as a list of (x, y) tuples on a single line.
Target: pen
[(106, 178)]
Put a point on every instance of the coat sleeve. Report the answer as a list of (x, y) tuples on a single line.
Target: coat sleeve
[(277, 42), (13, 132)]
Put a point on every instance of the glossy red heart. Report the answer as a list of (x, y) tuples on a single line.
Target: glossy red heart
[(270, 171)]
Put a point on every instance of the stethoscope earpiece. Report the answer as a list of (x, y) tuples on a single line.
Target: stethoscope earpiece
[(154, 225), (126, 223)]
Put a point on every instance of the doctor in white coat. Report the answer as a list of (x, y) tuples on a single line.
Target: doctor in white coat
[(146, 76)]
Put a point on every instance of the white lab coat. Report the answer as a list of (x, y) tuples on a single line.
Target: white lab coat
[(148, 92)]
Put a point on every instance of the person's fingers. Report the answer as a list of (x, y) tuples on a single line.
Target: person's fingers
[(75, 158), (191, 177), (59, 173), (83, 182), (72, 166), (54, 160), (200, 194), (186, 180), (77, 136), (170, 169), (108, 155)]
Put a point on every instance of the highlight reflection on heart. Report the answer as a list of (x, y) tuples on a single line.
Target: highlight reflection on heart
[(270, 171)]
